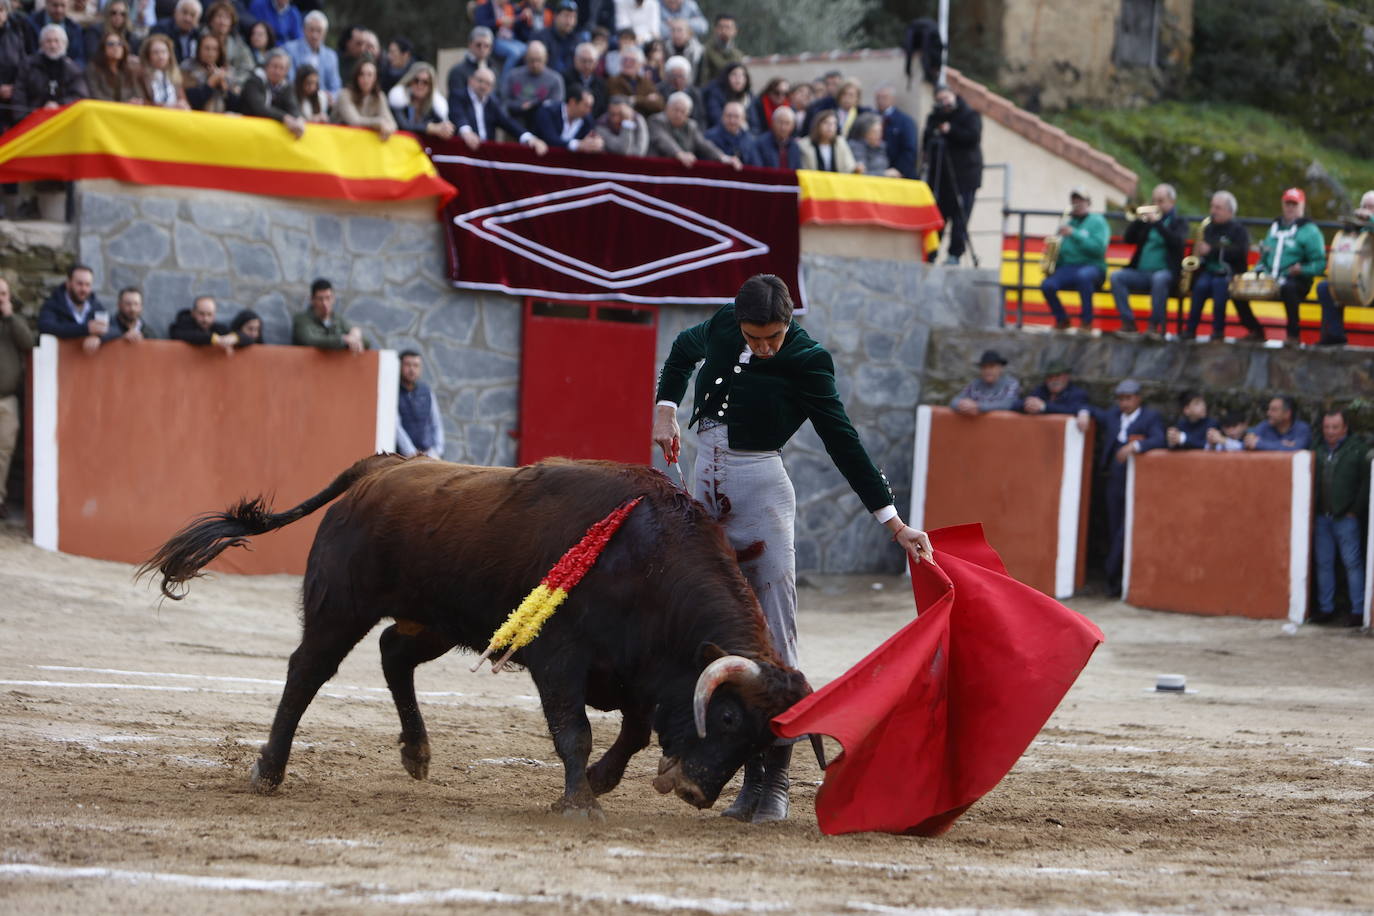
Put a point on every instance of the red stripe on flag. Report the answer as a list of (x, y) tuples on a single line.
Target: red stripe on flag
[(894, 216)]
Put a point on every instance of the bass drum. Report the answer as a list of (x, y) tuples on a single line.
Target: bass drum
[(1351, 271), (1254, 285)]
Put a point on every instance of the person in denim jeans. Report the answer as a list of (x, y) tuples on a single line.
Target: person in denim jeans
[(1342, 497), (1082, 259), (1159, 239)]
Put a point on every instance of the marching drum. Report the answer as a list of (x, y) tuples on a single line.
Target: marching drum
[(1351, 270), (1254, 285)]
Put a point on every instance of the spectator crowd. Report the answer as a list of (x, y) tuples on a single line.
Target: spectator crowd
[(1129, 427)]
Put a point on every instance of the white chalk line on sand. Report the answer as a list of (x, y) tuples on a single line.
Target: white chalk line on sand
[(373, 894)]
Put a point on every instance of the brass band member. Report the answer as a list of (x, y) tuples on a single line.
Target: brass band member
[(1159, 236), (1294, 253), (1224, 250), (1333, 315), (1082, 259)]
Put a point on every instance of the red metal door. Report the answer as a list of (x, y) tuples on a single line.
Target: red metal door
[(587, 381)]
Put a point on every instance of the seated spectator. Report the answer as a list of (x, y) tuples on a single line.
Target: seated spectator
[(16, 340), (281, 16), (197, 325), (419, 427), (525, 88), (1341, 500), (584, 74), (183, 28), (400, 56), (162, 84), (569, 124), (773, 97), (49, 78), (643, 17), (601, 40), (731, 86), (310, 99), (674, 134), (899, 132), (1280, 431), (271, 94), (1058, 394), (349, 48), (687, 12), (261, 42), (562, 38), (778, 149), (479, 55), (247, 324), (1193, 425), (870, 153), (16, 40), (318, 326), (719, 51), (114, 18), (682, 43), (654, 58), (623, 131), (610, 60), (477, 115), (1082, 260), (1229, 437), (208, 81), (633, 83), (845, 102), (499, 18), (800, 100), (128, 323), (311, 49), (113, 75), (424, 111), (222, 21), (1333, 317), (823, 149), (731, 137), (1159, 239), (677, 77), (54, 12), (73, 312), (370, 48), (1127, 429), (362, 103), (993, 389)]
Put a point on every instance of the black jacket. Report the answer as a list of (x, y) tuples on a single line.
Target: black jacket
[(1230, 240), (261, 101), (1174, 230), (186, 328), (462, 113), (17, 42), (43, 81), (957, 155), (55, 317)]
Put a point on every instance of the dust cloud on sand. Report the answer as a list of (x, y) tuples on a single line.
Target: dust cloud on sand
[(130, 727)]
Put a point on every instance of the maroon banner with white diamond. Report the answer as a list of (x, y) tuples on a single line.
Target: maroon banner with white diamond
[(588, 226)]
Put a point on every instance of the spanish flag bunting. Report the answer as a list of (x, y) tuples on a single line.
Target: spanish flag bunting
[(896, 203), (523, 623), (145, 144)]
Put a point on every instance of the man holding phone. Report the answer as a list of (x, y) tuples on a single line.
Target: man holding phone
[(73, 311)]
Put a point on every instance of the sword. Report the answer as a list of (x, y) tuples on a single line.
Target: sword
[(682, 480)]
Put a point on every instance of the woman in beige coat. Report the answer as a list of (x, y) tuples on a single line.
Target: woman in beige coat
[(362, 102), (823, 150)]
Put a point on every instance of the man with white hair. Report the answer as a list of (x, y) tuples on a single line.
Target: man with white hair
[(732, 137), (1224, 249), (271, 95), (54, 12), (674, 134), (1158, 237), (281, 15), (677, 77), (480, 42), (183, 27), (633, 83), (311, 50), (778, 148), (49, 78), (682, 43), (688, 12), (1333, 317), (584, 74)]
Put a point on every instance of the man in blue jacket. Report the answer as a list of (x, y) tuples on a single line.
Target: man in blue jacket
[(899, 132), (1281, 431), (1128, 429), (72, 311), (569, 124)]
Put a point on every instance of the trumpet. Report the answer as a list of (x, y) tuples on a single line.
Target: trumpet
[(1189, 268), (1049, 258), (1148, 212)]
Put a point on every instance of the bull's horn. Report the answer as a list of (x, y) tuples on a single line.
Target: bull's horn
[(727, 668)]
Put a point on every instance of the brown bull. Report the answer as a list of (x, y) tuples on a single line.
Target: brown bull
[(662, 619)]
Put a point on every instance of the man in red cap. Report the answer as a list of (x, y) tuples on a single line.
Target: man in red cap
[(1294, 253)]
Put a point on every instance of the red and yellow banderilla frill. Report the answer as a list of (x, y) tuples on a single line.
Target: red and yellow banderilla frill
[(523, 623)]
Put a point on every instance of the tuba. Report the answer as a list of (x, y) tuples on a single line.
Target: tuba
[(1190, 265), (1049, 258)]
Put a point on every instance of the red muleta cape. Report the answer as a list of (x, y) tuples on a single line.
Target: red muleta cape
[(934, 718)]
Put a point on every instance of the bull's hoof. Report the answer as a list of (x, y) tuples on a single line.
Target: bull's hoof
[(415, 758), (582, 809), (263, 784), (602, 777)]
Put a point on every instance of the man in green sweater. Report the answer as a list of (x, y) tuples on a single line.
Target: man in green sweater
[(318, 326), (1294, 253), (1342, 499), (1082, 259)]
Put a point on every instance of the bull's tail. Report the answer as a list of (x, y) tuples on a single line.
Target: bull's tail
[(189, 550)]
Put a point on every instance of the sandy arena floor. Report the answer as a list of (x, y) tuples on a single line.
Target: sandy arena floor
[(129, 730)]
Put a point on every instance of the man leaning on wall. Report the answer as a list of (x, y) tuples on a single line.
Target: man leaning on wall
[(16, 338), (320, 326)]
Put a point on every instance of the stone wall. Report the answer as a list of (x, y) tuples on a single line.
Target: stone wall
[(1233, 376), (34, 256)]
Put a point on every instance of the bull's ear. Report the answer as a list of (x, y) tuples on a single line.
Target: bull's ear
[(708, 652)]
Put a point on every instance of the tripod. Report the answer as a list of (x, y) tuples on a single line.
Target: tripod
[(935, 163)]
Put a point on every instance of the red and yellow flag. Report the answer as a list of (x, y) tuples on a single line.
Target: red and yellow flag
[(896, 203), (144, 144)]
